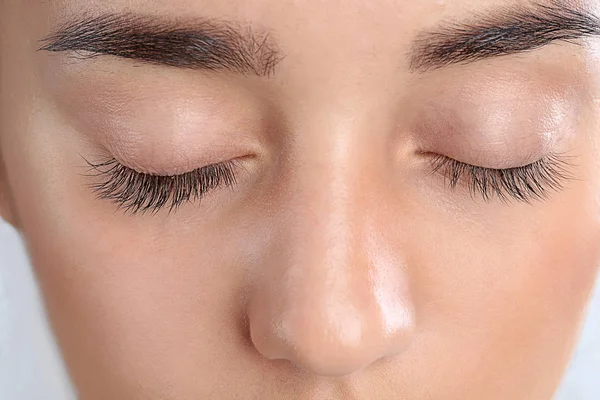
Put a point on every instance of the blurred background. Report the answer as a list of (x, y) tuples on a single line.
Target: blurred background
[(30, 367)]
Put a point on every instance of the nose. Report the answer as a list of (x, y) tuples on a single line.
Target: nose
[(333, 293)]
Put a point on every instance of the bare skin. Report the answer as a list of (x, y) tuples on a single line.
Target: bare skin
[(338, 266)]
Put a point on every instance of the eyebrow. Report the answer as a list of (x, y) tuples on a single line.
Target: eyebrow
[(512, 30), (202, 44)]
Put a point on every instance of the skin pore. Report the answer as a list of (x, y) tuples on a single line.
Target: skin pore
[(276, 199)]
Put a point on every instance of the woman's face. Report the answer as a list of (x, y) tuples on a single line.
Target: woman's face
[(306, 199)]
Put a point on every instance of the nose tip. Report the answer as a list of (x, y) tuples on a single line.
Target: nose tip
[(331, 351), (331, 340)]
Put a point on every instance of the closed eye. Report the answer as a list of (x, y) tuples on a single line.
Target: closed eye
[(535, 181), (137, 192)]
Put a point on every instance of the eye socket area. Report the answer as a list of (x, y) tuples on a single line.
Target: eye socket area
[(511, 149)]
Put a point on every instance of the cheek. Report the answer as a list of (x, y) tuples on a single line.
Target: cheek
[(539, 312), (138, 306), (506, 302)]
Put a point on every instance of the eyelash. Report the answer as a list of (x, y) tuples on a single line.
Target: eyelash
[(137, 192), (524, 184)]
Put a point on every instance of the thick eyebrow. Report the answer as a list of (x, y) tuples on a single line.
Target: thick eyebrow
[(202, 44), (512, 30)]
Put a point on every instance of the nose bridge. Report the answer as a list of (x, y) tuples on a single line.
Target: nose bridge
[(327, 210), (329, 192), (323, 302)]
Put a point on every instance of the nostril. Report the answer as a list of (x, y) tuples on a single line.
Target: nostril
[(331, 364), (328, 360)]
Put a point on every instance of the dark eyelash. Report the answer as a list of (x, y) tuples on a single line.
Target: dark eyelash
[(137, 192), (524, 184)]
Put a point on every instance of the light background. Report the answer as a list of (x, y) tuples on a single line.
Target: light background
[(29, 363)]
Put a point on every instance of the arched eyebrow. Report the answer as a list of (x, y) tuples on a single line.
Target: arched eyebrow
[(511, 30), (197, 43)]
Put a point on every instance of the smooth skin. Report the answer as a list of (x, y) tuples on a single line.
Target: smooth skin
[(338, 267)]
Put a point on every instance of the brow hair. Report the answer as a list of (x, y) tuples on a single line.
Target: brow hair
[(192, 43), (511, 30)]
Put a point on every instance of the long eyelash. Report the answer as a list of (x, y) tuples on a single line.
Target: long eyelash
[(524, 184), (137, 192)]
